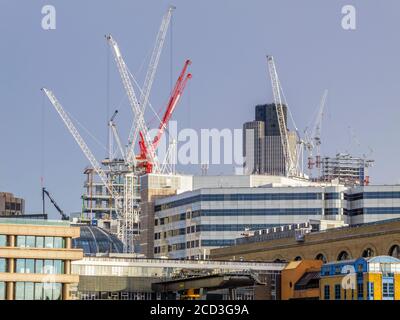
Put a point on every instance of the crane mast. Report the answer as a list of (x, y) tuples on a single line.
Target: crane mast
[(289, 165)]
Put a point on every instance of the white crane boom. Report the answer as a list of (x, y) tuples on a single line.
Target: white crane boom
[(118, 140), (124, 218), (137, 112), (316, 135), (289, 166), (150, 75), (85, 149)]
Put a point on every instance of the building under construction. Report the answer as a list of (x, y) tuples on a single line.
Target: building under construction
[(346, 169), (98, 203)]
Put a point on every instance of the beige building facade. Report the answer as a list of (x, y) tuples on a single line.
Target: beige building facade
[(35, 259)]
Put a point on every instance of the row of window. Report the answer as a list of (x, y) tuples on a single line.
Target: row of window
[(243, 197), (177, 217), (35, 242), (338, 291), (372, 195), (196, 244), (243, 212), (38, 291), (278, 196), (39, 266), (179, 246), (13, 206), (376, 210), (40, 242), (211, 227), (332, 211)]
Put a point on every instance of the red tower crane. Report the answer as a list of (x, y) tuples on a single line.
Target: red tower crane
[(172, 103)]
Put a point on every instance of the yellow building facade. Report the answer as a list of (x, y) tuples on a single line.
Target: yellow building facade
[(376, 278)]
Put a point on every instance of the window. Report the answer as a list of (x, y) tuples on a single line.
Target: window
[(29, 291), (337, 291), (21, 241), (29, 266), (327, 292), (38, 291), (3, 265), (39, 242), (49, 242), (3, 240), (360, 291), (19, 291), (20, 266), (388, 290), (30, 242), (370, 291), (39, 266), (58, 242), (2, 290)]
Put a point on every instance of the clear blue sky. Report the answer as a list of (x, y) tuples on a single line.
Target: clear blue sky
[(227, 42)]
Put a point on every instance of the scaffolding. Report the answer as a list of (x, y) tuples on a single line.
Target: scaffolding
[(98, 203), (348, 169)]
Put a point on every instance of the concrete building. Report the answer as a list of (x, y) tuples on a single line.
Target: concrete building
[(128, 277), (35, 259), (375, 278), (192, 223), (352, 242), (10, 205), (152, 187), (221, 209), (262, 145)]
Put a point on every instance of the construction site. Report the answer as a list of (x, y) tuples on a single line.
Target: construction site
[(123, 193)]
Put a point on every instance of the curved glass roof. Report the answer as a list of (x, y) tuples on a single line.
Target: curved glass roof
[(95, 240)]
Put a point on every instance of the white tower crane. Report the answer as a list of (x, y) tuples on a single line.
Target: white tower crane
[(151, 72), (313, 138), (290, 167), (124, 221)]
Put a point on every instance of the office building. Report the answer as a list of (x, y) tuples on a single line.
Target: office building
[(192, 223), (221, 209), (35, 259), (262, 144)]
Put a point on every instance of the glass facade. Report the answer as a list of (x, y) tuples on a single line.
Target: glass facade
[(241, 197), (40, 242), (39, 266), (3, 265), (3, 240), (327, 292), (2, 290), (38, 291), (337, 291)]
